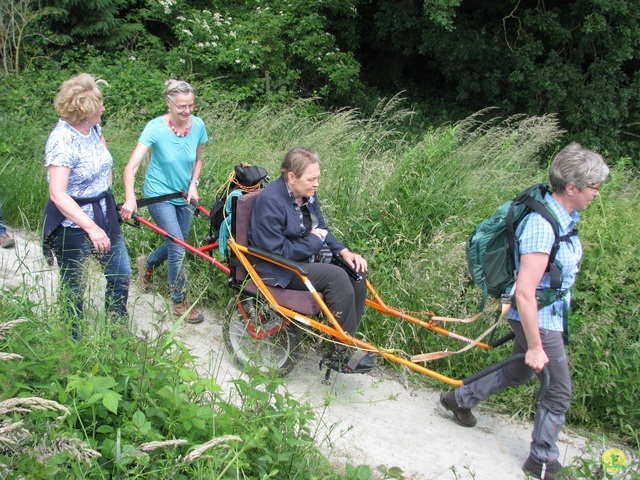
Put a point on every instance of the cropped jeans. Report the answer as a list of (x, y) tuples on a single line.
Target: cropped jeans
[(73, 249), (176, 221)]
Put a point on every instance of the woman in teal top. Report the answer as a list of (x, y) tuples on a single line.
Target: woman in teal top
[(176, 143)]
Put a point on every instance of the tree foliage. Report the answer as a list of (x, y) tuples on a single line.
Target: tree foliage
[(275, 48), (102, 23), (22, 34), (577, 59)]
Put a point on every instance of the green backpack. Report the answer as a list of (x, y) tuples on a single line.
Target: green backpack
[(490, 248)]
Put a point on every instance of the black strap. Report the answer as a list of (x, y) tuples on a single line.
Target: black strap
[(526, 199), (554, 270), (143, 202), (543, 211)]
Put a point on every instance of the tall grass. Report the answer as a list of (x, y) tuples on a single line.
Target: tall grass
[(408, 206), (127, 408)]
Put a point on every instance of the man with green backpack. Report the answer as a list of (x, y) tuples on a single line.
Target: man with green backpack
[(546, 252)]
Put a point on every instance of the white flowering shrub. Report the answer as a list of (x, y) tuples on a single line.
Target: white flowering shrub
[(278, 49)]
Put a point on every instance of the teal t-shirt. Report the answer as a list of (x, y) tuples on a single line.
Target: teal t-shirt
[(172, 157)]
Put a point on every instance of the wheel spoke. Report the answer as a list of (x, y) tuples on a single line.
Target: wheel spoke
[(273, 352)]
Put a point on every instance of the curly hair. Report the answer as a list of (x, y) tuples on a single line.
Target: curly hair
[(79, 98)]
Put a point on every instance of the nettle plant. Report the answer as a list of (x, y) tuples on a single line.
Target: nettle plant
[(275, 50)]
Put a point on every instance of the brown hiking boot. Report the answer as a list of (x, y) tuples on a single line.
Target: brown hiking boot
[(194, 316), (544, 471), (145, 274), (463, 416)]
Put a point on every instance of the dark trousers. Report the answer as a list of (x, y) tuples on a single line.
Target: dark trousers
[(344, 296)]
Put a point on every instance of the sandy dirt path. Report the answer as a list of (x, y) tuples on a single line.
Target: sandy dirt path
[(374, 419)]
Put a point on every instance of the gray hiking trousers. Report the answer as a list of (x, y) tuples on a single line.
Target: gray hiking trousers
[(550, 415)]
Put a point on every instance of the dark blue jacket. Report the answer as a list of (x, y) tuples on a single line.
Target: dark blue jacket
[(276, 227), (52, 218)]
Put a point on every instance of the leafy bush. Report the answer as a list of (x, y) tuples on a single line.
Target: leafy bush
[(253, 51), (607, 339), (137, 409)]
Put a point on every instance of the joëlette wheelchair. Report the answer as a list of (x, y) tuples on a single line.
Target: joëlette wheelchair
[(262, 327)]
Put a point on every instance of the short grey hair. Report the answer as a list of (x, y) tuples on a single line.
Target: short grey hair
[(576, 164), (177, 87), (297, 161)]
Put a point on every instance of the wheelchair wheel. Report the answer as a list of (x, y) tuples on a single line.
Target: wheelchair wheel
[(274, 352)]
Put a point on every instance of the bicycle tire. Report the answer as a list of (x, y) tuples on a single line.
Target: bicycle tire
[(275, 353)]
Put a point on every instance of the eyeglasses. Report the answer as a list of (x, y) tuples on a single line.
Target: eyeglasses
[(597, 189), (183, 108)]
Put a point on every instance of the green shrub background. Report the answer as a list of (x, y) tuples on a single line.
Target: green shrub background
[(406, 202)]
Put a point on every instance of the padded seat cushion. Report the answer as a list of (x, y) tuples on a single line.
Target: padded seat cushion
[(300, 301)]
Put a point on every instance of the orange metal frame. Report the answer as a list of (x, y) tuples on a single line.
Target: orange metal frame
[(332, 328)]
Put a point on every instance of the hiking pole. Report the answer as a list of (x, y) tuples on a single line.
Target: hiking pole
[(544, 381)]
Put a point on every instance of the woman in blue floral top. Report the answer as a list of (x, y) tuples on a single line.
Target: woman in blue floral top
[(80, 219)]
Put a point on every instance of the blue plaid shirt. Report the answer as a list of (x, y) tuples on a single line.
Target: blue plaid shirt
[(535, 235)]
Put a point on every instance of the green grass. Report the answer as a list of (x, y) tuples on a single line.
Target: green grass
[(126, 408), (407, 206)]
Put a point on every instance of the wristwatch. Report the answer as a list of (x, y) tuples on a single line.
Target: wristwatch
[(197, 182)]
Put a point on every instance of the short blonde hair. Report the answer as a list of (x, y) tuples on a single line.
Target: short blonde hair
[(79, 98)]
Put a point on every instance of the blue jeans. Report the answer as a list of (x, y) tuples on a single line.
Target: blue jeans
[(72, 251), (176, 221), (3, 230)]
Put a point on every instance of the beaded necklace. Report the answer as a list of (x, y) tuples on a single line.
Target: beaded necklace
[(175, 130)]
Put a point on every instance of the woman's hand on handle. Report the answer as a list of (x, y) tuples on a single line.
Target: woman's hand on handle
[(128, 208), (536, 359), (192, 194)]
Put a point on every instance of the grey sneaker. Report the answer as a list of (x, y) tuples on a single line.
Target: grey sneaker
[(6, 241), (541, 470), (145, 274), (463, 416)]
